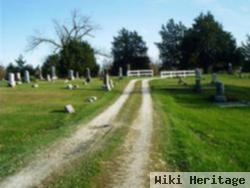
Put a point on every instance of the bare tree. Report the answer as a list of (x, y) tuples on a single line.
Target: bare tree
[(78, 28)]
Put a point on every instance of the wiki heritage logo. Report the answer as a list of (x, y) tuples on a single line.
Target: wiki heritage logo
[(199, 179)]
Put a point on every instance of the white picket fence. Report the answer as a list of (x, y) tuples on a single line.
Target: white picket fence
[(139, 73), (179, 73)]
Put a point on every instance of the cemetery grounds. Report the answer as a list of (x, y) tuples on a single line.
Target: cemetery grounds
[(190, 132)]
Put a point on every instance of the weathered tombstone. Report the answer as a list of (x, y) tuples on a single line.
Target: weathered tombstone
[(240, 72), (18, 78), (197, 86), (53, 73), (88, 75), (11, 80), (92, 99), (111, 83), (220, 93), (77, 75), (106, 82), (48, 78), (71, 75), (230, 68), (128, 68), (214, 78), (27, 76), (35, 85), (40, 74), (76, 86), (70, 86), (69, 109), (120, 73)]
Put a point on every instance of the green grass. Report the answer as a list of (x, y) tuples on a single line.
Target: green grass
[(197, 135), (31, 119), (90, 170)]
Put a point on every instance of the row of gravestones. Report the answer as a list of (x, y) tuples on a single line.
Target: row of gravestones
[(220, 88), (107, 82)]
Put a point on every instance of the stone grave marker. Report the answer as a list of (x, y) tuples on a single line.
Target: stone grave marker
[(240, 72), (230, 68), (77, 75), (40, 74), (106, 82), (197, 86), (120, 73), (71, 75), (69, 109), (220, 93), (35, 85), (53, 73), (48, 78), (214, 78), (11, 80), (18, 78), (70, 86), (88, 76), (27, 76), (128, 68)]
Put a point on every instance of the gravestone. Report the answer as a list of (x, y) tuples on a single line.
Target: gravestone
[(240, 72), (106, 82), (230, 68), (35, 85), (197, 86), (220, 93), (48, 78), (214, 78), (111, 83), (18, 78), (120, 73), (88, 76), (53, 73), (70, 86), (92, 99), (40, 74), (76, 86), (71, 75), (77, 75), (128, 68), (27, 76), (69, 109), (11, 80)]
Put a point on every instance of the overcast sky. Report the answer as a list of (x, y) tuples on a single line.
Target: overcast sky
[(20, 18)]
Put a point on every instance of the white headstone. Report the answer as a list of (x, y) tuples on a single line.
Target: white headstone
[(48, 78), (106, 82), (77, 75), (71, 75), (27, 76), (11, 81), (18, 77), (128, 68), (53, 73), (69, 108), (40, 74), (35, 85), (70, 86), (214, 78), (120, 73)]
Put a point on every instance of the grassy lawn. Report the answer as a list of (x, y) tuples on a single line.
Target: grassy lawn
[(194, 134), (94, 169), (30, 118)]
